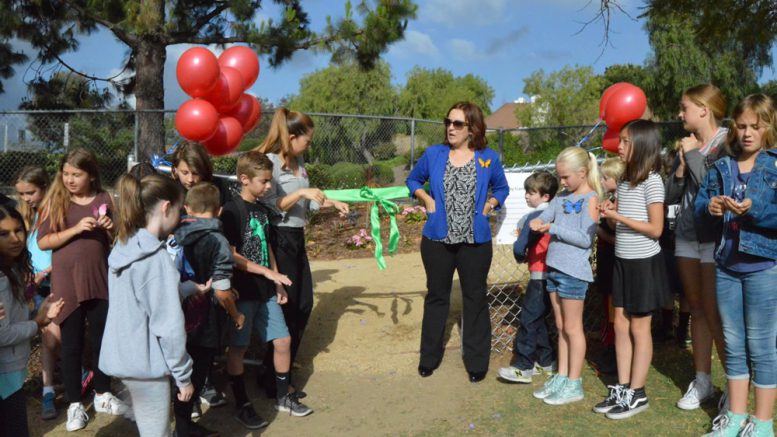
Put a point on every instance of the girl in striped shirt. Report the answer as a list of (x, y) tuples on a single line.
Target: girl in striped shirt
[(639, 272)]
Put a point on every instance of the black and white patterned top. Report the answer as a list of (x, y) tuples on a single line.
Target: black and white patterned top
[(459, 184)]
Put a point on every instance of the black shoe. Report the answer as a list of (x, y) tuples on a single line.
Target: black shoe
[(291, 404), (197, 430), (247, 417), (631, 403), (476, 376), (612, 399), (196, 409), (425, 371)]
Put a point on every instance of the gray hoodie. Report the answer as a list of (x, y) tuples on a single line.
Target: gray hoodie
[(16, 330), (144, 333)]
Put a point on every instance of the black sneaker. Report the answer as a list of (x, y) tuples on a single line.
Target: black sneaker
[(631, 403), (247, 417), (291, 404), (196, 409), (212, 397), (612, 399)]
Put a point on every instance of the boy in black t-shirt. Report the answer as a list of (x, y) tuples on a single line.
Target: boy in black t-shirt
[(260, 287)]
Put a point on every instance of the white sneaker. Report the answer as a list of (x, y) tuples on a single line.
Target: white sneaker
[(108, 403), (546, 370), (514, 374), (697, 394), (76, 417)]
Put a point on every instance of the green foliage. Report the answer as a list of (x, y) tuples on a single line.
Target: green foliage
[(347, 175), (566, 97), (319, 175), (380, 173), (226, 165), (770, 89), (633, 74), (385, 151), (111, 168), (428, 94)]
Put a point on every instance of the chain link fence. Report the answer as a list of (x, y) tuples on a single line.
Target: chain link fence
[(348, 151)]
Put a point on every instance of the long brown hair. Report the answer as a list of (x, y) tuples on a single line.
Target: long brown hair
[(476, 122), (36, 176), (57, 199), (138, 198), (645, 156), (196, 157), (284, 124), (18, 270)]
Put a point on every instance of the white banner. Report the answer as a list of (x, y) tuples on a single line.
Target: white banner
[(514, 208)]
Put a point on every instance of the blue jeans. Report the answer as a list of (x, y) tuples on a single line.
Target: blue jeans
[(532, 341), (748, 310)]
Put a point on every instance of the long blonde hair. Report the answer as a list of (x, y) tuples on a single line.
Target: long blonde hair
[(284, 124), (57, 200), (36, 176), (708, 96), (576, 158), (138, 198)]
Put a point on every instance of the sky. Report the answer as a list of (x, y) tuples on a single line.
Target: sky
[(501, 41)]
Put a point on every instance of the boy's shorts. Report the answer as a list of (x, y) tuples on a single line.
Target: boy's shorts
[(567, 287), (265, 318)]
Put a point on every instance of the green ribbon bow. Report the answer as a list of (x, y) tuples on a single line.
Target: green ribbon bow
[(257, 230), (379, 197)]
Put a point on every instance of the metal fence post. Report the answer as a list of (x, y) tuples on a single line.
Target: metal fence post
[(66, 137), (135, 139), (412, 143)]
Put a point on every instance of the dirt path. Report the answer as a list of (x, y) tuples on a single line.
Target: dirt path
[(358, 361)]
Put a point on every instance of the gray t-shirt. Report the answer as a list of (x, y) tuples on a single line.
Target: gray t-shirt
[(285, 182)]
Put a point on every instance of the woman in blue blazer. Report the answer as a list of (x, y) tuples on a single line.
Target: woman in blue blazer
[(466, 183)]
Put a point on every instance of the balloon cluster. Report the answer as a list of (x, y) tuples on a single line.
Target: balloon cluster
[(619, 104), (219, 113)]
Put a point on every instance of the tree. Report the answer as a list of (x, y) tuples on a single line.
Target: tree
[(147, 27), (428, 94), (563, 98), (633, 74), (347, 89), (770, 89)]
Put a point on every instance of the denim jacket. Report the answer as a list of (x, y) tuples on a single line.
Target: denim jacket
[(490, 175), (758, 229)]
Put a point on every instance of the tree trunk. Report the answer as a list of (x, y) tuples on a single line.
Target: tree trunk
[(150, 98)]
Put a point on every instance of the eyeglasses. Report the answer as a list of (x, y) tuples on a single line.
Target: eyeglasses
[(457, 124)]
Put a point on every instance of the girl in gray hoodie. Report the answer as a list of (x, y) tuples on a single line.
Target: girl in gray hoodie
[(144, 343), (16, 328)]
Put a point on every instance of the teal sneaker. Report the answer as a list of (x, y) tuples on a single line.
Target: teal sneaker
[(727, 425), (758, 428), (572, 391), (554, 383)]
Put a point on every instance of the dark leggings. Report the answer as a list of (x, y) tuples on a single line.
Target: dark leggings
[(472, 262), (202, 360), (95, 311), (13, 415), (288, 245)]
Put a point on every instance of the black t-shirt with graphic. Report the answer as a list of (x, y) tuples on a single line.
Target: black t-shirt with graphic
[(250, 235)]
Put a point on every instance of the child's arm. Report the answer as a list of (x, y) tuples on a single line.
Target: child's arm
[(55, 240), (226, 299), (280, 292), (653, 228), (245, 265)]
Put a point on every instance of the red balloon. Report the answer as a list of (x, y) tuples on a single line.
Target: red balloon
[(197, 71), (196, 120), (246, 111), (243, 60), (255, 116), (227, 91), (626, 104), (610, 140), (606, 96), (227, 137)]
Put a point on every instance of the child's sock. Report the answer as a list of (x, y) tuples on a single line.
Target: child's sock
[(48, 389), (282, 384), (239, 390), (703, 378)]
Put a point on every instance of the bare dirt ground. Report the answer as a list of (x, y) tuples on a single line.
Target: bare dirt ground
[(357, 363)]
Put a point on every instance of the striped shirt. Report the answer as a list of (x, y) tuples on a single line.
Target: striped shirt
[(633, 203)]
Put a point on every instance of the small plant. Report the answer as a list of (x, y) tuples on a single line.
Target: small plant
[(414, 214), (359, 240)]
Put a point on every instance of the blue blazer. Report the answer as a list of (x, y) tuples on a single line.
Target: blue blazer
[(489, 175)]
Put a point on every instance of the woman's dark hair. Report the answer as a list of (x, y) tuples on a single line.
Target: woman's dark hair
[(645, 156), (477, 125), (19, 270)]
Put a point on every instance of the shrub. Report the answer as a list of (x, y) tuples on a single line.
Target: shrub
[(319, 175), (226, 165), (385, 151), (347, 175), (380, 173)]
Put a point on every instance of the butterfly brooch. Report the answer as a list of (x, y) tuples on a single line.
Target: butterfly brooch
[(573, 208), (485, 163)]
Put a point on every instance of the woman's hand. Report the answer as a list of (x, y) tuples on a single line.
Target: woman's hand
[(341, 207), (86, 224), (737, 208), (429, 205), (717, 206), (278, 278), (488, 207), (314, 194), (185, 393)]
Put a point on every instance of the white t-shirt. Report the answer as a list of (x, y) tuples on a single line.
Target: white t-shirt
[(633, 203)]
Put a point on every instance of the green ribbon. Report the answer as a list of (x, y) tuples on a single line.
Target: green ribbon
[(379, 198), (257, 230)]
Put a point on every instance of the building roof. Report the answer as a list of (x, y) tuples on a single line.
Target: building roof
[(504, 117)]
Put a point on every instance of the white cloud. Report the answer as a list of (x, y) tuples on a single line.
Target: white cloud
[(463, 13), (415, 43), (464, 50)]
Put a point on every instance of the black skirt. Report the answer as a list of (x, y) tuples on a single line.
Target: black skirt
[(639, 286)]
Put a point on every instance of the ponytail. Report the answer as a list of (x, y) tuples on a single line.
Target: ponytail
[(138, 198), (284, 124), (594, 176)]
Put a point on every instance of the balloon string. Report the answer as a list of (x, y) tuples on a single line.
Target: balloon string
[(588, 135), (157, 160)]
